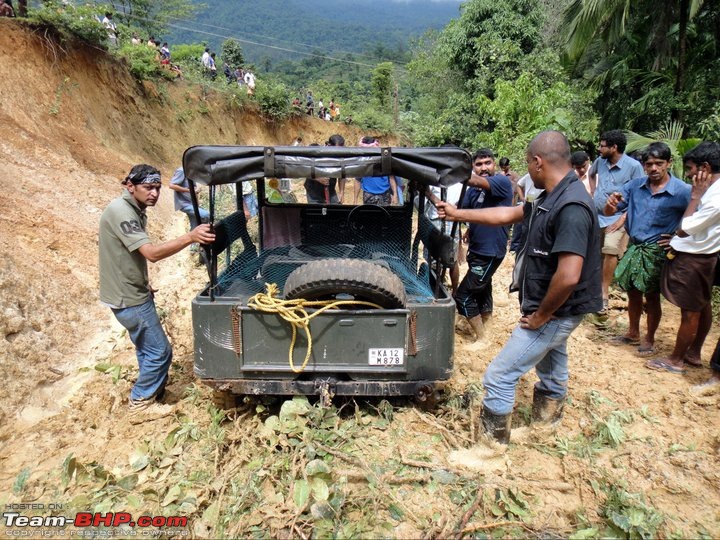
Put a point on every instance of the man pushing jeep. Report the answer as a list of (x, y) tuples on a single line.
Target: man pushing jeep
[(124, 249)]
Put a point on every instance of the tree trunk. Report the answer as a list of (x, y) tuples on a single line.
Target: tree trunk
[(22, 8), (682, 54)]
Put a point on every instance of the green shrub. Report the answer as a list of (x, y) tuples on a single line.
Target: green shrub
[(373, 120), (70, 22), (273, 98), (143, 62), (188, 54)]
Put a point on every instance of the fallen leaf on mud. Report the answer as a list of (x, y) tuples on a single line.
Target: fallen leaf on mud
[(317, 467), (444, 477), (173, 494), (301, 493), (134, 501), (395, 512), (322, 510), (81, 501), (320, 489), (203, 526), (166, 462), (128, 482), (138, 461)]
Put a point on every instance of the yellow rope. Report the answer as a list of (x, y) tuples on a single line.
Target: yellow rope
[(294, 312)]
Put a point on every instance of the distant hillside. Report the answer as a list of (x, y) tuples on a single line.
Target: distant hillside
[(326, 26)]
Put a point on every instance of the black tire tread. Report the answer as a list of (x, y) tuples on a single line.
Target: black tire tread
[(363, 279)]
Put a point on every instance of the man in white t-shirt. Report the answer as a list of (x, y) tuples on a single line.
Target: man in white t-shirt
[(527, 192), (452, 196), (688, 275), (109, 25), (249, 79)]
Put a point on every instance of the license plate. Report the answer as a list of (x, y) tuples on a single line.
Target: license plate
[(386, 357)]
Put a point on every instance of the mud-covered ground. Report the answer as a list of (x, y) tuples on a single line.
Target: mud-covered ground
[(635, 453)]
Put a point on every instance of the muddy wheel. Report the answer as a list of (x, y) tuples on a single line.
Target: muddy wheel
[(345, 279), (224, 400), (426, 397)]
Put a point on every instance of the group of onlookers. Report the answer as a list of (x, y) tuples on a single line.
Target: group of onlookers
[(329, 112), (658, 236), (661, 237), (627, 220)]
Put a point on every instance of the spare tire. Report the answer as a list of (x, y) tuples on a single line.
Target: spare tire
[(330, 279)]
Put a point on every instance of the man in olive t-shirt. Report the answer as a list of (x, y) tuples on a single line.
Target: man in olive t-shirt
[(124, 249)]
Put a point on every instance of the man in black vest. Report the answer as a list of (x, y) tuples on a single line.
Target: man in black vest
[(558, 276)]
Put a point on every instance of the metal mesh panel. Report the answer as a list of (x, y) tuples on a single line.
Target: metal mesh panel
[(288, 232)]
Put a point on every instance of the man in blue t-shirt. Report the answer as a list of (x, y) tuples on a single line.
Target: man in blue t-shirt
[(487, 244), (608, 174)]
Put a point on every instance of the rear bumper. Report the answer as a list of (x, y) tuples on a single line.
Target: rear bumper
[(319, 386)]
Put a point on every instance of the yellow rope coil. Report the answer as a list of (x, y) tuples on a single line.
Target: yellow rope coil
[(294, 312)]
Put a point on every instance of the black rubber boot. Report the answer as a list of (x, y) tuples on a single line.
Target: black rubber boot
[(496, 426), (546, 409)]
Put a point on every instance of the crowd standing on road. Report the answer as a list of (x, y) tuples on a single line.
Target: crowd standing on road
[(577, 227)]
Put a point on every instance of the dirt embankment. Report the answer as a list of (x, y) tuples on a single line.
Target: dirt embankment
[(72, 122)]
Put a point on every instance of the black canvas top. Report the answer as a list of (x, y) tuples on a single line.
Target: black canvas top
[(214, 165)]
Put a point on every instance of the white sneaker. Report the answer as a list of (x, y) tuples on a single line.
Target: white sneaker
[(146, 410)]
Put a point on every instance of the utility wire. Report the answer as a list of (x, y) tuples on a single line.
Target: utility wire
[(195, 30), (271, 37)]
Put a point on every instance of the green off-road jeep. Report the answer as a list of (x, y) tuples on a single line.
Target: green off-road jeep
[(356, 306)]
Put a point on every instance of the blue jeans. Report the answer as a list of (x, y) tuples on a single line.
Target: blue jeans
[(545, 349), (251, 203), (204, 216), (153, 350)]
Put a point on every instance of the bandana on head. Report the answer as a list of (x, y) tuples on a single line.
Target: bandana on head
[(153, 178)]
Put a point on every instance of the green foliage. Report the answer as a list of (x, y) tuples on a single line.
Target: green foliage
[(273, 98), (489, 80), (372, 120), (382, 84), (21, 481), (510, 504), (231, 52), (709, 127), (143, 62), (526, 106), (491, 38), (69, 22), (644, 65), (108, 368), (671, 133), (188, 53), (153, 16), (628, 515)]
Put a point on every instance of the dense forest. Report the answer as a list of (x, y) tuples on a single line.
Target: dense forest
[(494, 73), (272, 29)]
